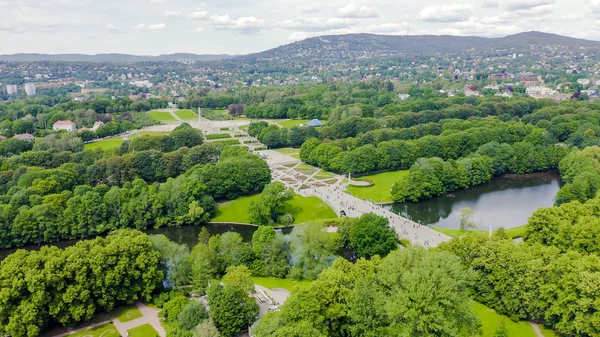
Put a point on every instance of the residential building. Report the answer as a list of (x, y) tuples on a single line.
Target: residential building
[(30, 89), (403, 97), (591, 93), (539, 91), (64, 125), (583, 81), (97, 125), (11, 89), (25, 136)]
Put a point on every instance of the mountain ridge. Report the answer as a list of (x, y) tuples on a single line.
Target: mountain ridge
[(338, 46)]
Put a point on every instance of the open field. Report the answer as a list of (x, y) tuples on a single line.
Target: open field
[(149, 133), (186, 114), (110, 143), (292, 122), (145, 330), (381, 190), (303, 209), (106, 330), (288, 284), (162, 116), (513, 233)]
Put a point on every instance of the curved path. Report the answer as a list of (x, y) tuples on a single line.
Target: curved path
[(333, 193)]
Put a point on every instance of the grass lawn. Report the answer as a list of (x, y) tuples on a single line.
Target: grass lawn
[(295, 153), (145, 330), (547, 332), (303, 209), (128, 313), (293, 122), (162, 116), (288, 284), (218, 136), (513, 233), (149, 133), (381, 190), (491, 320), (106, 330), (323, 175), (186, 114), (110, 143), (288, 150)]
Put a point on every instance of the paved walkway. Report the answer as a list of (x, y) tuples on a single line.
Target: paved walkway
[(536, 329), (91, 326), (149, 316), (285, 169)]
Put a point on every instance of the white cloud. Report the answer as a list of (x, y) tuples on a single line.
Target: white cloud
[(526, 4), (353, 11), (157, 27), (199, 30), (199, 15), (13, 29), (529, 13), (481, 27), (310, 10), (297, 36), (489, 3), (445, 13), (173, 13), (386, 28), (244, 24), (317, 24), (112, 28), (139, 26)]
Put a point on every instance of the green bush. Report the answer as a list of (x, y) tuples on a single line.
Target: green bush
[(218, 136), (228, 142)]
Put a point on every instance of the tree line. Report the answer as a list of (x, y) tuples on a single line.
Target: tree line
[(431, 177), (530, 281), (398, 154), (37, 214), (410, 292), (67, 286)]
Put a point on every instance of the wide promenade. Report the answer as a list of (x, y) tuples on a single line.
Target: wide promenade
[(333, 193)]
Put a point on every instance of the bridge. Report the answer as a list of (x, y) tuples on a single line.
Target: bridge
[(331, 190)]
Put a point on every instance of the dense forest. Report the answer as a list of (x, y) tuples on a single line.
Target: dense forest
[(53, 189)]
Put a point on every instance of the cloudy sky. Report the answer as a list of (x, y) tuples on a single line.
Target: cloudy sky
[(152, 27)]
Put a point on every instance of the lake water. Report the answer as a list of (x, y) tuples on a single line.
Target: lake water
[(183, 235), (506, 201)]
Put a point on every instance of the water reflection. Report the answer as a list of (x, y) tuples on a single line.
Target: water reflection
[(506, 201), (183, 235)]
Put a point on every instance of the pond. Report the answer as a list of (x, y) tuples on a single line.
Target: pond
[(183, 235), (506, 201)]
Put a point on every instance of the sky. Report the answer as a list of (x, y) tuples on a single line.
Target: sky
[(153, 27)]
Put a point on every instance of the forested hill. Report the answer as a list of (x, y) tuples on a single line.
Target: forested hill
[(113, 58), (370, 45)]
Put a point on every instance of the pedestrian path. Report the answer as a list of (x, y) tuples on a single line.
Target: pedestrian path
[(333, 192), (149, 316)]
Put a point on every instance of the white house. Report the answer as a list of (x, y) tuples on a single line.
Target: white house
[(539, 91), (97, 125), (64, 125)]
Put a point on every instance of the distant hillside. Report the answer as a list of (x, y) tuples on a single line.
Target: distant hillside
[(353, 46), (370, 45), (113, 58)]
